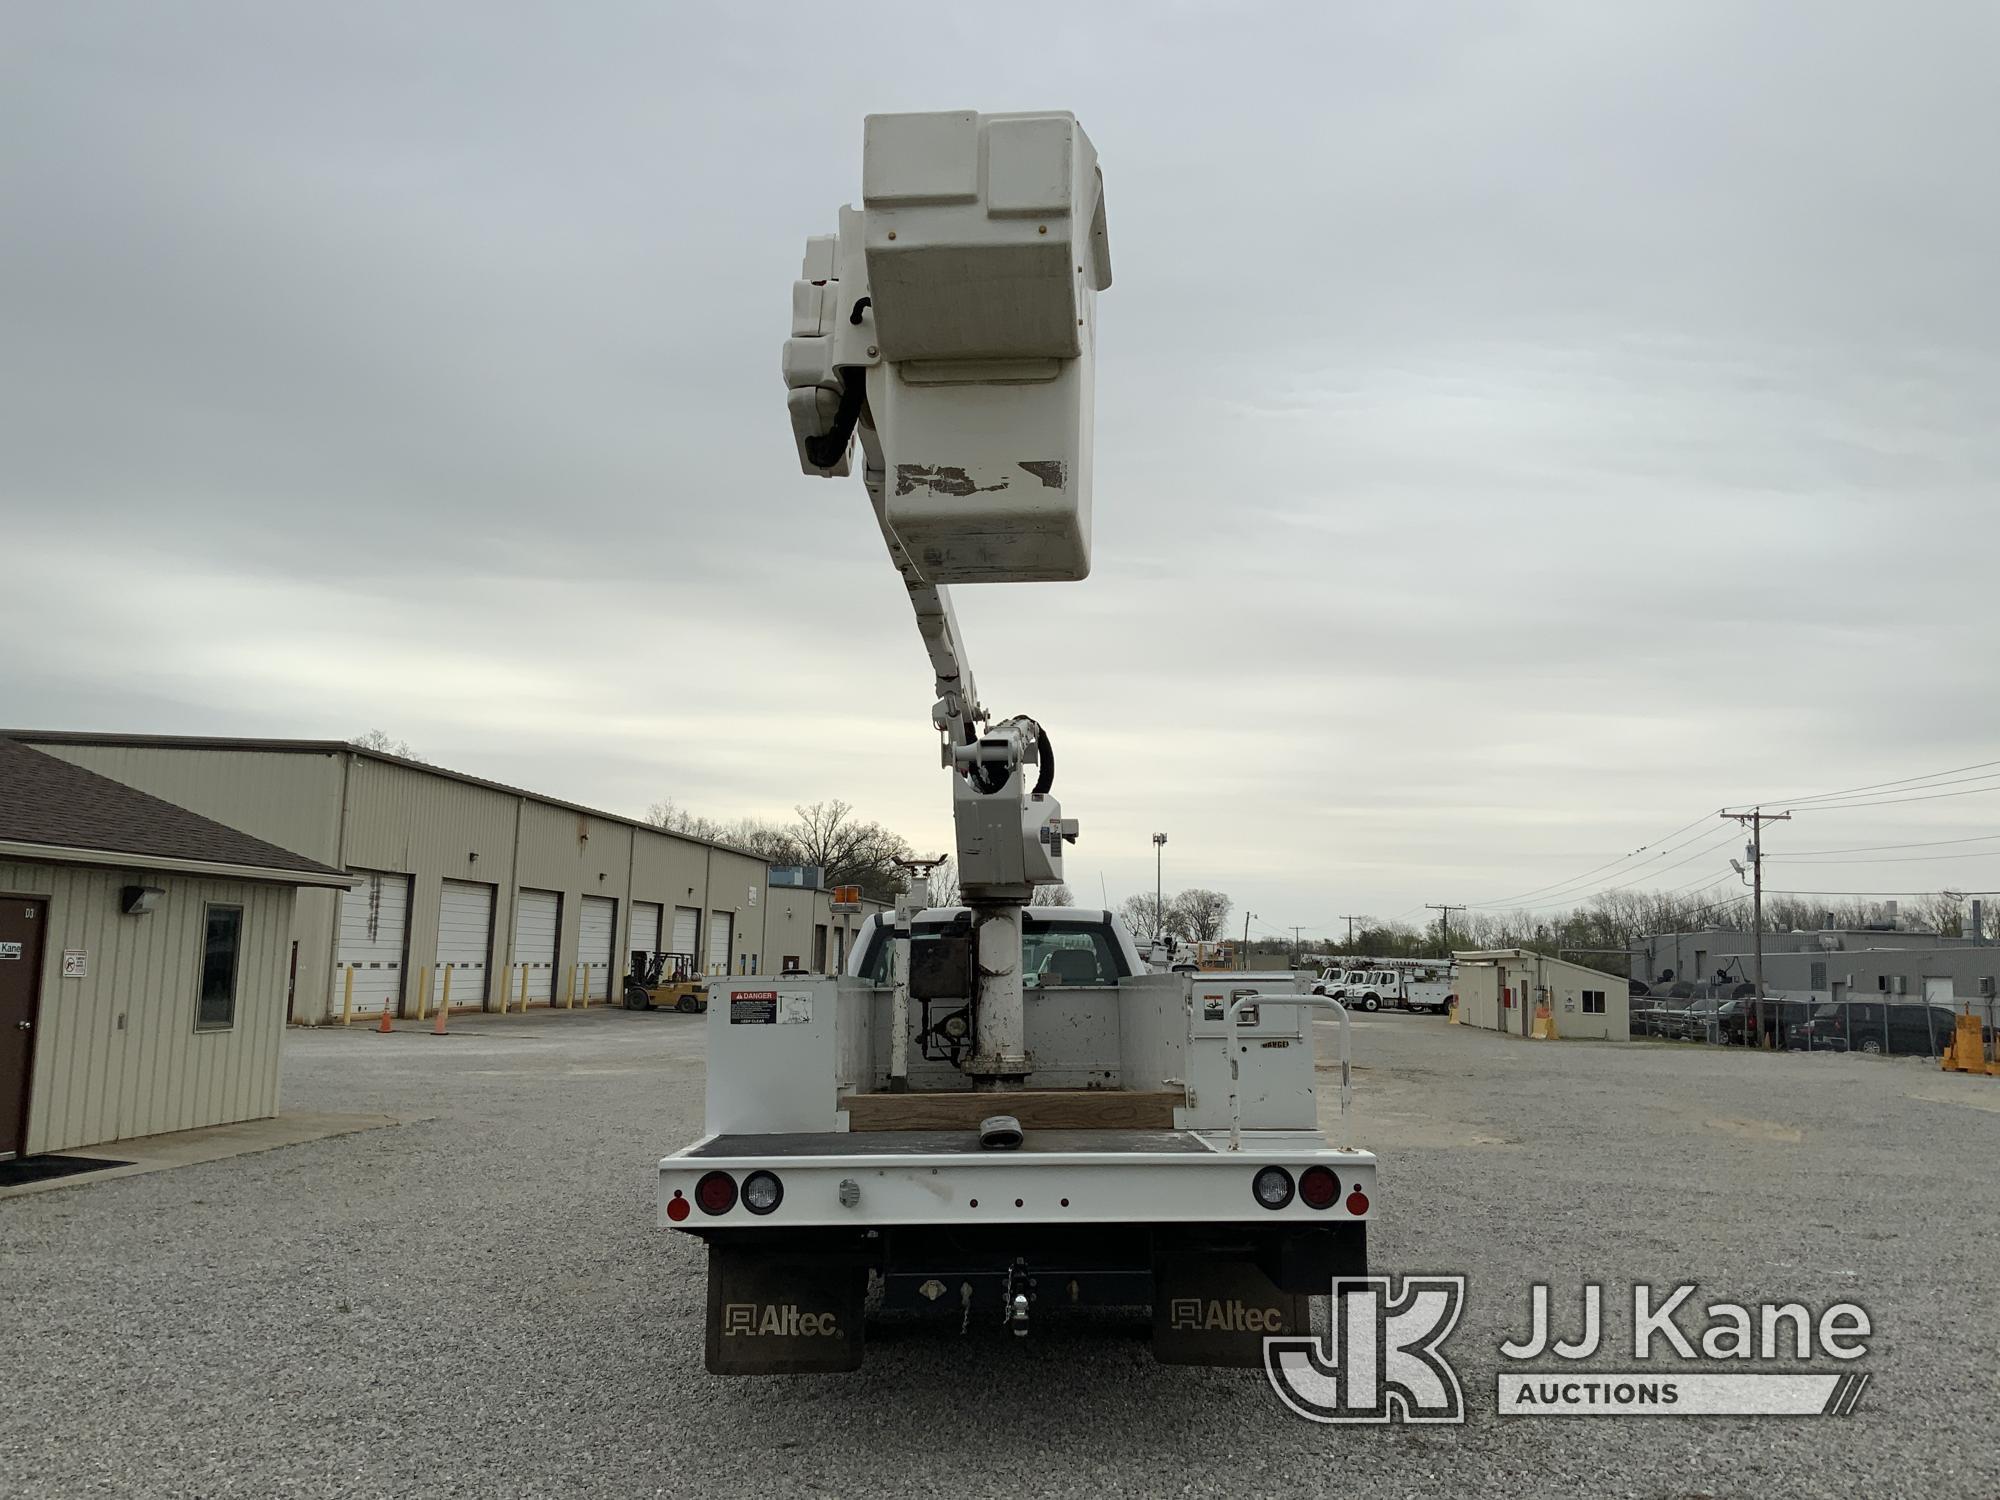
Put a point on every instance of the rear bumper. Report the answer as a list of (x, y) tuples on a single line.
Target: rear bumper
[(890, 1180)]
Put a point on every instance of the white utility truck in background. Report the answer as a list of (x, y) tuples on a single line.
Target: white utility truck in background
[(1406, 983), (996, 1113)]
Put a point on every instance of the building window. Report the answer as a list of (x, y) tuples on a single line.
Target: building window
[(1593, 1002), (222, 945)]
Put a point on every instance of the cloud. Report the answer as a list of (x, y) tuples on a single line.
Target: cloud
[(1520, 427)]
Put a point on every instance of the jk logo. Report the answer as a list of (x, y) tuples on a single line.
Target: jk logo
[(1380, 1361)]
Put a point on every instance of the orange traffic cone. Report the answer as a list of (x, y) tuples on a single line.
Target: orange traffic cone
[(385, 1028), (438, 1030)]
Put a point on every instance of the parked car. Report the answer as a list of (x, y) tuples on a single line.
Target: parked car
[(1912, 1030), (1737, 1021), (1649, 1016), (1689, 1021)]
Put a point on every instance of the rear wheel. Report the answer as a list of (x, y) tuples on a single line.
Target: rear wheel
[(1871, 1045), (687, 1005)]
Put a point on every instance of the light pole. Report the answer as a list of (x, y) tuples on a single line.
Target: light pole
[(1159, 888)]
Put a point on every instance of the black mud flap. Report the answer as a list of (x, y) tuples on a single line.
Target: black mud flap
[(1210, 1310), (773, 1315)]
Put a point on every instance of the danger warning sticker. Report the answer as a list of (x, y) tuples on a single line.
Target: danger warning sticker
[(753, 1007)]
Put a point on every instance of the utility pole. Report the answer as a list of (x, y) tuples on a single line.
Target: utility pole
[(1243, 955), (1444, 923), (1755, 819), (1350, 921), (1297, 946), (1159, 900)]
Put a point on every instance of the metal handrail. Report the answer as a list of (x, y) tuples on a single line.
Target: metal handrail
[(1319, 1002)]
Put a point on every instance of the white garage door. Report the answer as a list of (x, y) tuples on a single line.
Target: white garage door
[(597, 929), (537, 925), (374, 916), (687, 925), (465, 940), (645, 927), (721, 927)]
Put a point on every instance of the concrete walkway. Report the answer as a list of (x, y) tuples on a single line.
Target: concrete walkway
[(182, 1148)]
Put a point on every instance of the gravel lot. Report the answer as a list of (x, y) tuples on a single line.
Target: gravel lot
[(477, 1304)]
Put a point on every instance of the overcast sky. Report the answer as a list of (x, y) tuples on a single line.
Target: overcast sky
[(1520, 428)]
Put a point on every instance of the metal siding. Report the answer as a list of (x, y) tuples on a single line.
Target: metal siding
[(736, 885), (597, 928), (374, 929), (96, 1080), (465, 939), (537, 936)]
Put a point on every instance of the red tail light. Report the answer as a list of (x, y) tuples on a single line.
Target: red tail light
[(677, 1207), (1318, 1187), (1357, 1203), (716, 1193)]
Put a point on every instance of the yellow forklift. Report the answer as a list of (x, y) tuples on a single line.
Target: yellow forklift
[(665, 980)]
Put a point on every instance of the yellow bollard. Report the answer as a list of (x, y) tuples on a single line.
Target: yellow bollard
[(347, 1000), (524, 989), (569, 988), (424, 993), (444, 1001), (586, 984)]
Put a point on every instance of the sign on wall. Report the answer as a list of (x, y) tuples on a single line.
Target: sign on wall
[(76, 964)]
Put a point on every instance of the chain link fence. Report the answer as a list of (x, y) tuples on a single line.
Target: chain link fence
[(1805, 1021)]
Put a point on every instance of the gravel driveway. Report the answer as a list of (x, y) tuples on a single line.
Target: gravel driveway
[(477, 1304)]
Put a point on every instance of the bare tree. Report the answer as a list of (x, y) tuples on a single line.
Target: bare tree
[(850, 851), (1144, 917), (1057, 894), (944, 884), (766, 840), (382, 744), (1198, 915)]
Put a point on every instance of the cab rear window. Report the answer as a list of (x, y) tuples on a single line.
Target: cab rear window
[(1052, 953)]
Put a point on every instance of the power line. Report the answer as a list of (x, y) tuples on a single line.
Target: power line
[(1899, 859), (1577, 897), (1870, 848), (1952, 892), (1578, 880), (1878, 785), (1892, 801)]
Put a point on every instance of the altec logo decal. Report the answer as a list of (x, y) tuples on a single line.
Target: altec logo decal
[(749, 1320), (1217, 1315)]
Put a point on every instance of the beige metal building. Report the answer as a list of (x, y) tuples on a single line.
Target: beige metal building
[(803, 931), (145, 955), (460, 880), (1499, 990)]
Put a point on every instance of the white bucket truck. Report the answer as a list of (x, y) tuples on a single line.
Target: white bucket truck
[(996, 1113)]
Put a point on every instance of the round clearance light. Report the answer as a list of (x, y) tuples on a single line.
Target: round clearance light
[(762, 1192), (1318, 1187), (1272, 1187), (1357, 1203), (716, 1193), (677, 1207)]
